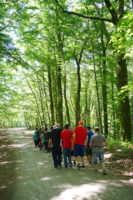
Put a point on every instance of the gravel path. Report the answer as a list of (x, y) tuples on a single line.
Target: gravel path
[(36, 179)]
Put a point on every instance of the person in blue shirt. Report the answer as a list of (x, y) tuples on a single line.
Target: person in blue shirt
[(88, 149), (35, 137)]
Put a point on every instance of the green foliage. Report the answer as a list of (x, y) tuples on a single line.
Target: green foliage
[(114, 145)]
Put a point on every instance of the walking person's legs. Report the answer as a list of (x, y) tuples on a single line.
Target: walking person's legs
[(69, 156), (65, 157), (59, 154), (54, 154), (94, 158), (101, 158)]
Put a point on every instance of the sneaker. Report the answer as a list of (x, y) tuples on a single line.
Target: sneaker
[(70, 165), (104, 172), (83, 166), (95, 170), (74, 162), (78, 166), (66, 166), (59, 167)]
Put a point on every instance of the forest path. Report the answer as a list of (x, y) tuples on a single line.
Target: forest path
[(36, 179)]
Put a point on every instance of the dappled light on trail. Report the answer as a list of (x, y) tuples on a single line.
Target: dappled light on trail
[(30, 173), (46, 179), (85, 191)]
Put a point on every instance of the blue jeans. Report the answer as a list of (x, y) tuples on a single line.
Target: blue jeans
[(67, 153), (96, 155), (56, 153)]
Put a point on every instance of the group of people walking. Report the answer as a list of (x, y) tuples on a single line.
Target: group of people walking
[(75, 144)]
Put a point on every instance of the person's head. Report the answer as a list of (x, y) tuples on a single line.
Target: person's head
[(97, 129), (81, 123), (67, 126), (88, 128), (46, 129), (51, 127), (36, 129)]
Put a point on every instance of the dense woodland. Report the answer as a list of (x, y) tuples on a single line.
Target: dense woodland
[(66, 60)]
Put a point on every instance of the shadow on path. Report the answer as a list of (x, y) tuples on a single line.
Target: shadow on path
[(36, 179)]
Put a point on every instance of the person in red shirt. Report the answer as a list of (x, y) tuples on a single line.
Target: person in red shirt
[(81, 138), (66, 136)]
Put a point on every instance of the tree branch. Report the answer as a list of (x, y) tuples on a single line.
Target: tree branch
[(1, 29), (112, 11), (121, 8), (83, 16)]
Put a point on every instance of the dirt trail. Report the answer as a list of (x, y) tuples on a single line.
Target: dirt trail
[(36, 179)]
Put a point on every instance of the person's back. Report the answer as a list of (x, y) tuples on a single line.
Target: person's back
[(80, 135), (55, 136), (56, 149), (35, 136), (66, 136), (90, 134), (98, 141), (35, 139)]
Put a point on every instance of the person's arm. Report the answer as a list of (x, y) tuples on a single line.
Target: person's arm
[(106, 143), (49, 142), (90, 142), (86, 140)]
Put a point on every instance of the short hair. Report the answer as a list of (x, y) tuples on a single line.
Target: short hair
[(81, 122), (97, 129), (46, 129), (67, 126), (88, 127)]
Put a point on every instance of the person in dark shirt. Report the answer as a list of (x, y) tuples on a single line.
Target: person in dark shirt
[(54, 140), (88, 149)]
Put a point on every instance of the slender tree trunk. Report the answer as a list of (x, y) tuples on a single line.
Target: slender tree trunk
[(104, 88), (51, 95), (77, 117), (41, 99), (65, 97), (59, 94), (37, 105), (113, 107), (98, 98)]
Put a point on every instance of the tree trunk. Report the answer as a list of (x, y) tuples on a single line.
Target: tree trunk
[(51, 95), (65, 97), (41, 99), (104, 88), (98, 98), (77, 113), (59, 94), (125, 118)]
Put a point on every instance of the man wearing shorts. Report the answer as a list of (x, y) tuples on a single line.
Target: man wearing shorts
[(81, 139), (97, 143), (88, 149)]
